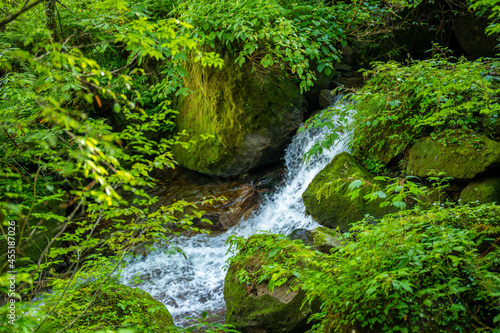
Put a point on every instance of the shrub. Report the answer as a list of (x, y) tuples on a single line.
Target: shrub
[(400, 103)]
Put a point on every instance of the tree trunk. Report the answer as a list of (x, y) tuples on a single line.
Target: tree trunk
[(50, 12)]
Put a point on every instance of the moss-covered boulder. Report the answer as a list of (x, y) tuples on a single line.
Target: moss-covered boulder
[(322, 239), (240, 119), (325, 239), (116, 306), (337, 209), (258, 310), (461, 155), (469, 28), (251, 306), (323, 81), (483, 191), (383, 142)]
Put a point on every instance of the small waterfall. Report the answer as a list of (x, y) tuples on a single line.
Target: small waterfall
[(192, 284)]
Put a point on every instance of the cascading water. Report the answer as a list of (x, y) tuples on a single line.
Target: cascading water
[(194, 283)]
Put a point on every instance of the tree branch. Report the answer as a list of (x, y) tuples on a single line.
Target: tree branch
[(25, 8)]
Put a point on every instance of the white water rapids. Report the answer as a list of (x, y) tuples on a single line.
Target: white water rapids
[(188, 286)]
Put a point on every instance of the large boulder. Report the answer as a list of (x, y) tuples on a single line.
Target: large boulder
[(322, 239), (337, 209), (458, 154), (483, 191), (325, 239), (239, 118), (469, 29), (251, 306)]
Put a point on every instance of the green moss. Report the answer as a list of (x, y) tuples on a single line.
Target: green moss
[(338, 210), (116, 306), (387, 140), (483, 191), (460, 155), (238, 118), (246, 311), (251, 306), (325, 239)]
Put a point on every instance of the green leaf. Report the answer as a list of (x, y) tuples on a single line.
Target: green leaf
[(273, 252), (355, 184)]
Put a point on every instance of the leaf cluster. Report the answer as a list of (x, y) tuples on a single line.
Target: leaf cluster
[(401, 103), (300, 38)]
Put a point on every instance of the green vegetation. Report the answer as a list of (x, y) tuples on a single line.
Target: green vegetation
[(87, 90), (401, 103), (66, 170), (413, 269), (430, 266)]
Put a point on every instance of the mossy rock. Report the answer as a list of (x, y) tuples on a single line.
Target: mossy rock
[(322, 239), (239, 119), (381, 142), (460, 155), (256, 309), (482, 191), (469, 28), (338, 210), (116, 306), (325, 239)]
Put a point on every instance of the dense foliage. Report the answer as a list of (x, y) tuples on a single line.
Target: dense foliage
[(302, 38), (85, 113), (401, 103), (414, 269), (66, 169)]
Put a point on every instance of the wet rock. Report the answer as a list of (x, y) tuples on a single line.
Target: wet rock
[(224, 203), (239, 118), (326, 98), (482, 191), (254, 308), (460, 155), (271, 180), (470, 32), (304, 235), (240, 202), (322, 239), (325, 239), (337, 209)]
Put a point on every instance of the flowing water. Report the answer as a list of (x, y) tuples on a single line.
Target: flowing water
[(194, 283)]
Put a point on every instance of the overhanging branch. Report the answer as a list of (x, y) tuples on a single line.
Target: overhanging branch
[(25, 8)]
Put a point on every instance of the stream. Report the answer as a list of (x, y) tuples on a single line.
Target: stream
[(194, 283)]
